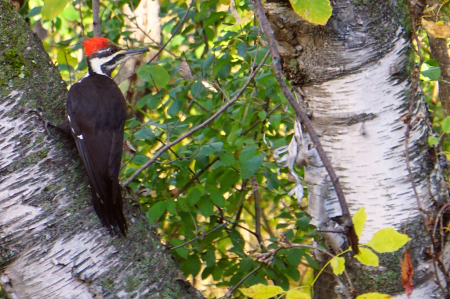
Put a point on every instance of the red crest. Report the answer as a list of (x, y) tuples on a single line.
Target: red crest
[(94, 44)]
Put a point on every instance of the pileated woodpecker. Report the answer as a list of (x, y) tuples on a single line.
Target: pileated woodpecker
[(96, 114)]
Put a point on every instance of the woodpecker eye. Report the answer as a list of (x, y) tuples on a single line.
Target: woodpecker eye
[(112, 50)]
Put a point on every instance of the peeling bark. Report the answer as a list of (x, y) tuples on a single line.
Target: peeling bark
[(52, 245), (352, 75)]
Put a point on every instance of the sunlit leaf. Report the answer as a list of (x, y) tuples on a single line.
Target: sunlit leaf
[(261, 291), (337, 263), (388, 240), (359, 220), (374, 296), (155, 75), (297, 294), (250, 161), (433, 140), (446, 125), (433, 73), (313, 11), (52, 8), (367, 257)]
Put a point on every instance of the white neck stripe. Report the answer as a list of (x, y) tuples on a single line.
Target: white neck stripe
[(96, 63)]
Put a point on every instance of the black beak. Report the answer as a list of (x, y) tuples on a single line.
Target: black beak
[(132, 52)]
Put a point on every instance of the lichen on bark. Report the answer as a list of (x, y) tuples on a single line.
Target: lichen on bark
[(52, 245)]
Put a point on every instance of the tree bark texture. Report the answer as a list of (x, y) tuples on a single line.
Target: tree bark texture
[(52, 244), (353, 78)]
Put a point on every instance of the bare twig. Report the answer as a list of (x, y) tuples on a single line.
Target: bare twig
[(276, 65), (255, 184), (202, 125), (96, 17), (174, 33), (198, 237), (81, 18), (194, 178), (230, 291), (409, 125)]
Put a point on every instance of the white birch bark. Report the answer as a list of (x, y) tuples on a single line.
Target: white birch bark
[(52, 245), (355, 87)]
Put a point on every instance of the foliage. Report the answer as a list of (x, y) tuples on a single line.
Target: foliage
[(201, 193), (313, 11), (385, 240)]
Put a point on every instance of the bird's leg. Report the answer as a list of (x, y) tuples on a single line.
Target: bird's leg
[(64, 127)]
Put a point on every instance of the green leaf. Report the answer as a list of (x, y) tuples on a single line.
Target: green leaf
[(193, 265), (156, 211), (154, 75), (52, 8), (237, 239), (338, 265), (297, 294), (359, 220), (194, 196), (246, 264), (313, 11), (34, 11), (70, 14), (367, 257), (182, 251), (294, 256), (312, 262), (250, 161), (433, 73), (446, 125), (210, 258), (222, 65), (217, 198), (388, 240), (145, 133), (260, 291), (433, 140), (227, 158), (206, 207), (262, 115)]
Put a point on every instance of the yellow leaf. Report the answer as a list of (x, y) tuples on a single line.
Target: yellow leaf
[(367, 257), (436, 30), (260, 291), (313, 11), (359, 220), (338, 265), (296, 294), (374, 296), (307, 275), (52, 8), (388, 240)]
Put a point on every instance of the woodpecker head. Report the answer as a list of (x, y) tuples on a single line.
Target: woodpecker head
[(103, 56)]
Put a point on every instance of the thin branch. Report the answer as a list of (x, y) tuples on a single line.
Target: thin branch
[(198, 237), (255, 184), (409, 125), (81, 18), (230, 292), (174, 33), (96, 17), (276, 65), (259, 121), (193, 179), (201, 126)]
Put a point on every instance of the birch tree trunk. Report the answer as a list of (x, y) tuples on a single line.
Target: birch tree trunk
[(52, 244), (353, 77)]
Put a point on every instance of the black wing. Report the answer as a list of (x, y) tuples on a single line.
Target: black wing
[(96, 110)]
